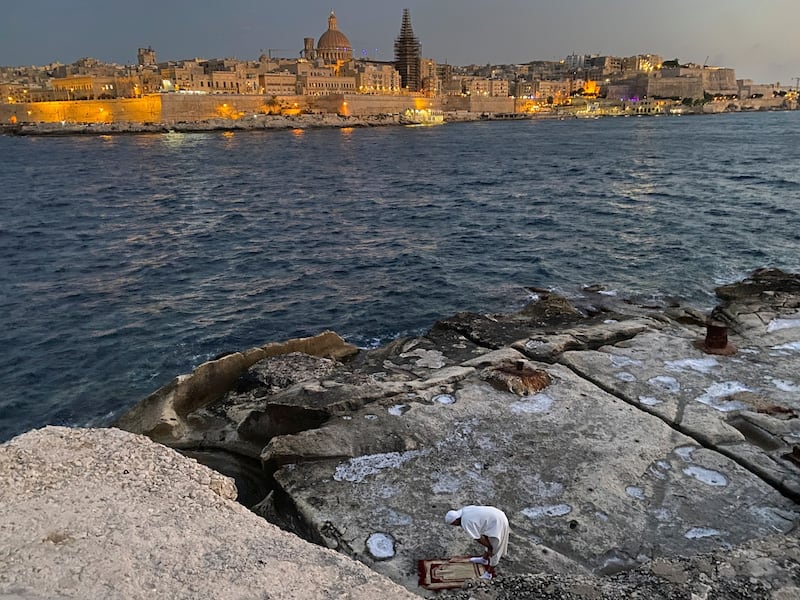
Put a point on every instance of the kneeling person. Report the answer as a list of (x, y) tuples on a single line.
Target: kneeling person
[(486, 525)]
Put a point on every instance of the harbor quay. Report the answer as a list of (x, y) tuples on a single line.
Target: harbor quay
[(173, 108), (196, 112)]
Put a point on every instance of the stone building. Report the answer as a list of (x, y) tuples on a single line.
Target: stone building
[(333, 46), (316, 80), (375, 78), (278, 84), (430, 83), (479, 86), (146, 57), (84, 87), (716, 81)]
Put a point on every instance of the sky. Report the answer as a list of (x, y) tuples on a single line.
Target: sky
[(759, 38)]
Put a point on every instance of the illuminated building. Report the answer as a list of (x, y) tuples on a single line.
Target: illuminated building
[(333, 46)]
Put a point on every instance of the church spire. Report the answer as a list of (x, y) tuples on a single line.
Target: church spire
[(332, 21), (407, 54)]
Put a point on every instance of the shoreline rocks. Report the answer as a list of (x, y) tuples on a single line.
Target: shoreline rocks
[(105, 514), (617, 444), (253, 122), (606, 432)]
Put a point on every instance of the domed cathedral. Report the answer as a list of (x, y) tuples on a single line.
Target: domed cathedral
[(333, 46)]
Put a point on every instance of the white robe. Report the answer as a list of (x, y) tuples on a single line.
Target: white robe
[(489, 521)]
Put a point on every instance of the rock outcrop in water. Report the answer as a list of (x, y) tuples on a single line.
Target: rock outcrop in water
[(630, 456), (607, 434)]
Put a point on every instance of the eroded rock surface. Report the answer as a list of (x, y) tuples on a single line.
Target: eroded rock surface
[(105, 514), (606, 433)]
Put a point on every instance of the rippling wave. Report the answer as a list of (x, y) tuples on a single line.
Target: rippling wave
[(129, 260)]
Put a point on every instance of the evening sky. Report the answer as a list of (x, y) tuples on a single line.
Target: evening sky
[(758, 38)]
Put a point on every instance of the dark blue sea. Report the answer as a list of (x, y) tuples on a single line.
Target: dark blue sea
[(127, 260)]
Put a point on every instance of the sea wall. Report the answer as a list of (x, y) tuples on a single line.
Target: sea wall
[(181, 108), (133, 110), (479, 104)]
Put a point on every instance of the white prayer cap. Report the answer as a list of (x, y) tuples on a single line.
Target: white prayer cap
[(451, 516)]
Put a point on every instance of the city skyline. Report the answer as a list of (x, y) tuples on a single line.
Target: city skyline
[(755, 39)]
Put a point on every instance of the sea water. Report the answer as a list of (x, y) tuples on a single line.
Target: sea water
[(127, 260)]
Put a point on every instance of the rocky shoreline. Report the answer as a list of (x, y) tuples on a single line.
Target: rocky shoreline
[(253, 122), (649, 452)]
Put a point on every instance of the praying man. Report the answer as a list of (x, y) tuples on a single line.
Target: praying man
[(486, 525)]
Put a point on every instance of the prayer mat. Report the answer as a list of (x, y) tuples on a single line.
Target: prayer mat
[(447, 573)]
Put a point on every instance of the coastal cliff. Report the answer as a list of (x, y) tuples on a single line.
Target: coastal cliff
[(646, 450)]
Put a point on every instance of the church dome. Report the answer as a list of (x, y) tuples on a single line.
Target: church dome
[(333, 45)]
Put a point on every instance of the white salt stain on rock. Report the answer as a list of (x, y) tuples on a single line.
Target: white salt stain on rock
[(624, 361), (791, 346), (635, 492), (717, 392), (380, 546), (778, 324), (357, 469), (707, 476), (685, 452), (444, 399), (428, 359), (541, 489), (386, 491), (446, 484), (538, 403), (649, 401), (659, 469), (666, 383), (695, 533), (785, 385), (553, 510), (779, 520), (700, 365), (625, 376), (397, 518), (662, 514)]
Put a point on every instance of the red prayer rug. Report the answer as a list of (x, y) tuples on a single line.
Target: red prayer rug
[(447, 573)]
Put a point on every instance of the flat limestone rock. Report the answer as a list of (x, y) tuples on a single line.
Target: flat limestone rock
[(607, 434), (752, 397), (590, 483), (108, 514)]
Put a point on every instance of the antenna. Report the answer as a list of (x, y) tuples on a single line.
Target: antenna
[(797, 84)]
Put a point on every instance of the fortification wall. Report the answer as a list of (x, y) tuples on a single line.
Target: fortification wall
[(177, 108), (481, 104), (131, 110), (367, 105), (675, 87)]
